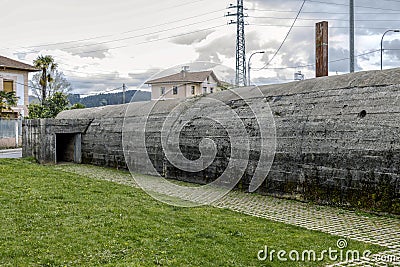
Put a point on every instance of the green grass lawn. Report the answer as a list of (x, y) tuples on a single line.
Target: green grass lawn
[(54, 218)]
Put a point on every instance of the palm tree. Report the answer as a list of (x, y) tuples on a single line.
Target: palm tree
[(47, 65)]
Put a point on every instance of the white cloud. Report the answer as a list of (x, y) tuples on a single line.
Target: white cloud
[(126, 41)]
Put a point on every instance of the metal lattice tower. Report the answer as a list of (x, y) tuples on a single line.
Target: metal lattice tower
[(241, 76)]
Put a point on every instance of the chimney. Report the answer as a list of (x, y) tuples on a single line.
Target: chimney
[(185, 70)]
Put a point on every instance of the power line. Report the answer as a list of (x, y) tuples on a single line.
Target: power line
[(179, 35), (130, 37), (105, 73), (287, 35), (368, 7), (397, 1), (312, 65), (313, 19), (313, 26), (138, 29), (150, 41), (146, 42), (323, 12), (277, 68), (29, 86)]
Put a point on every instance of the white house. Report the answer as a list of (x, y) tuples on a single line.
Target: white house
[(14, 77), (184, 84)]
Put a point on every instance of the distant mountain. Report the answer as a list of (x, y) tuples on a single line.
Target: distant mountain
[(103, 99), (109, 99)]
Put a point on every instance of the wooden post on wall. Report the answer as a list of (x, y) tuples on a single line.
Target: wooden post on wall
[(321, 46)]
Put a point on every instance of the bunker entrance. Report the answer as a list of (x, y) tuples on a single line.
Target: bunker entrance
[(68, 147)]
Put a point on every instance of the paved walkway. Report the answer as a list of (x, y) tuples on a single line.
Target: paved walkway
[(383, 231), (11, 153)]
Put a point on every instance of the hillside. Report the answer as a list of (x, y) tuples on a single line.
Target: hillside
[(109, 99), (104, 99)]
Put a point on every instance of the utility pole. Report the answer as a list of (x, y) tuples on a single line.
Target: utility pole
[(241, 77), (123, 93), (351, 35), (321, 49)]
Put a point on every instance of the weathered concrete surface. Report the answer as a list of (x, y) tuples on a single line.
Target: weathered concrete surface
[(39, 136), (337, 138)]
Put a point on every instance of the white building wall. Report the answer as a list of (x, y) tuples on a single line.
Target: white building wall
[(184, 90), (156, 91), (20, 79)]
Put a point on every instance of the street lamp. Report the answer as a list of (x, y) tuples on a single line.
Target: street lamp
[(382, 44), (248, 65)]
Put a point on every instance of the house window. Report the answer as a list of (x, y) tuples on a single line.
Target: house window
[(193, 89), (175, 90), (8, 86), (162, 90), (212, 90), (204, 90), (208, 79)]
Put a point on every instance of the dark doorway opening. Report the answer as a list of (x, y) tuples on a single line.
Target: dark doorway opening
[(68, 147)]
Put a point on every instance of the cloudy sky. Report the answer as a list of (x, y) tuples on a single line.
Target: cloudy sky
[(101, 44)]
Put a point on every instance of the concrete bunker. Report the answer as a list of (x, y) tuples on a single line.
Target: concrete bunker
[(68, 147), (324, 152)]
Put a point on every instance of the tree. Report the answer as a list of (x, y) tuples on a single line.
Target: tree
[(7, 100), (51, 107), (47, 66), (78, 106), (57, 83)]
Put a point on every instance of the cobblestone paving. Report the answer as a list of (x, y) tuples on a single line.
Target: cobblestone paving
[(383, 231)]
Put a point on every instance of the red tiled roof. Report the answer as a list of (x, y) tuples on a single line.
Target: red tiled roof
[(185, 77), (9, 63)]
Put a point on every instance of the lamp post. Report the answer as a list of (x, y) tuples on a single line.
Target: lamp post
[(249, 67), (382, 44)]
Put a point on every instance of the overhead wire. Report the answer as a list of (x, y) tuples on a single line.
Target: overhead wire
[(174, 36), (103, 36), (323, 12), (126, 38), (397, 1), (319, 19), (138, 29), (356, 6), (312, 65), (287, 35), (313, 26)]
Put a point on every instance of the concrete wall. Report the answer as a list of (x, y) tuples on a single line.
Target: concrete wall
[(39, 136), (337, 139)]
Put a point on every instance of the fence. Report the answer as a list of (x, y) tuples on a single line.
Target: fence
[(10, 133)]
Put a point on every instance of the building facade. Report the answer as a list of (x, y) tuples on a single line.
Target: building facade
[(14, 77), (184, 84)]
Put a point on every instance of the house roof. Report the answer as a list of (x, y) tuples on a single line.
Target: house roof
[(8, 63), (185, 77)]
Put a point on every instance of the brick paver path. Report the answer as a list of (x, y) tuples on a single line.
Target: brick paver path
[(383, 231)]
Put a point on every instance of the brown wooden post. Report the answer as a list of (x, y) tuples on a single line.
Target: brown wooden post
[(321, 46)]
